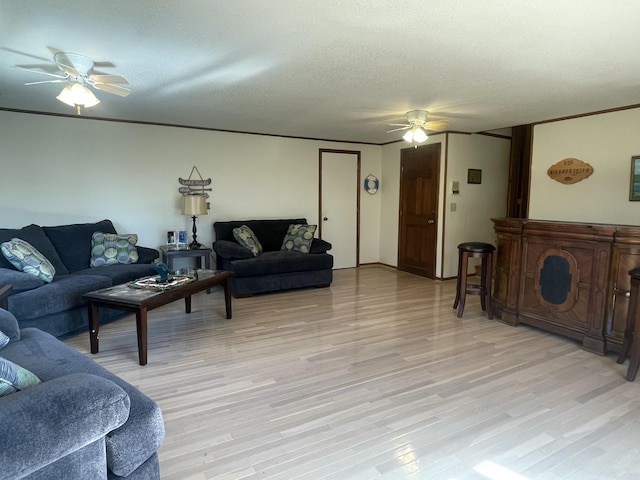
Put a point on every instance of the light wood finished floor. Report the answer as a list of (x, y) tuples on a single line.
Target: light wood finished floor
[(374, 377)]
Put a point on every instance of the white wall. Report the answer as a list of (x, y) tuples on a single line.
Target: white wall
[(56, 170), (606, 142), (476, 204)]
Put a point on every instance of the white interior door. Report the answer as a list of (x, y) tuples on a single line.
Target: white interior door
[(339, 199)]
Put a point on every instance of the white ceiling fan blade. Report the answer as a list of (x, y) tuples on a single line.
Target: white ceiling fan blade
[(43, 72), (62, 80), (406, 127), (436, 125), (398, 124), (105, 87), (108, 79)]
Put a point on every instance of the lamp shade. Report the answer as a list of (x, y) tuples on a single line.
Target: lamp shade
[(194, 205)]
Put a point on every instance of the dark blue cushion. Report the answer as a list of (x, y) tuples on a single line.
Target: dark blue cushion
[(270, 232), (64, 293), (34, 235), (146, 254), (121, 273), (20, 281), (270, 263), (73, 242), (9, 325)]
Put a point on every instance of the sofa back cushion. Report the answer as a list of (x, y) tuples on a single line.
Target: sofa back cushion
[(73, 242), (270, 233), (35, 236)]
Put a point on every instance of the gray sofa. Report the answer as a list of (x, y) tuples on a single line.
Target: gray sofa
[(58, 307), (81, 422), (273, 269)]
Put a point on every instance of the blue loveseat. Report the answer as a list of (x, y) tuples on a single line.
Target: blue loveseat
[(81, 422), (58, 307)]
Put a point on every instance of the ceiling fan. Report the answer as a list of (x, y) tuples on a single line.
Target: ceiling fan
[(418, 126), (77, 71)]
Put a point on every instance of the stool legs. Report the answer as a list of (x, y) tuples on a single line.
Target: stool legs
[(485, 299), (483, 288), (631, 345), (457, 300)]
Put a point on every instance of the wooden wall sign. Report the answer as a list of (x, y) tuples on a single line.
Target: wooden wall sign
[(194, 186), (569, 170)]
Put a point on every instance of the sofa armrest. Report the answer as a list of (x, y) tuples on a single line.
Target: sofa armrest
[(44, 423), (146, 254), (231, 250), (9, 325), (19, 281), (5, 291), (319, 246)]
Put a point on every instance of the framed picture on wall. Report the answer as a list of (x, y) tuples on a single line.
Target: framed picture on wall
[(634, 188), (474, 175)]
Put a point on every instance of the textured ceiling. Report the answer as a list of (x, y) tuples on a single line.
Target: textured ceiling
[(332, 69)]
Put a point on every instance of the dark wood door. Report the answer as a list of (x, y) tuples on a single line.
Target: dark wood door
[(419, 180)]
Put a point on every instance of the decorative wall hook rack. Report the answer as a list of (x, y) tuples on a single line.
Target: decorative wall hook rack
[(195, 185)]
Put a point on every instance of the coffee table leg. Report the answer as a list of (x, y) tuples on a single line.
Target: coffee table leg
[(227, 296), (94, 326), (141, 324), (187, 304)]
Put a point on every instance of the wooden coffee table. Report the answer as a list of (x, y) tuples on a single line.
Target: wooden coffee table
[(140, 301)]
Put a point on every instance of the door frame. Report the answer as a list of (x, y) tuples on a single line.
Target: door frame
[(357, 187)]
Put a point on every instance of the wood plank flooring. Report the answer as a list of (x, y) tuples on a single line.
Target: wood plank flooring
[(374, 378)]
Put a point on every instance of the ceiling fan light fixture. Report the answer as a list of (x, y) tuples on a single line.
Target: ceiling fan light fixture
[(76, 95), (408, 137), (420, 136), (415, 134)]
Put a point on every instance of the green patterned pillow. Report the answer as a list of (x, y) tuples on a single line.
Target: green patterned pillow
[(111, 249), (27, 259), (245, 237), (298, 238), (14, 378)]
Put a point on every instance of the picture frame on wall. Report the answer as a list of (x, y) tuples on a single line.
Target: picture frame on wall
[(474, 175), (634, 183)]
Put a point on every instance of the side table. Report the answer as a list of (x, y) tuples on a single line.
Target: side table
[(203, 256)]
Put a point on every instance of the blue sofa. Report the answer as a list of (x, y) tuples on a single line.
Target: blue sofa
[(58, 307), (81, 422), (273, 269)]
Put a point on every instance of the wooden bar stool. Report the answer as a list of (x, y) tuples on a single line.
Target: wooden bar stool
[(476, 250), (632, 329)]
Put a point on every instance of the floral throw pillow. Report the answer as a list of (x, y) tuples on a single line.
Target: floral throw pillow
[(299, 238), (14, 378), (245, 237), (26, 258), (4, 339), (111, 249)]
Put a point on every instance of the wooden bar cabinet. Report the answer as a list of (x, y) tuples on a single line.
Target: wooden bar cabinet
[(566, 277)]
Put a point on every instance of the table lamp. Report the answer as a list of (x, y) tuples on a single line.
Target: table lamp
[(194, 205)]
